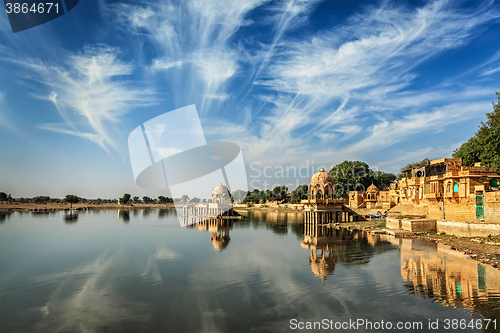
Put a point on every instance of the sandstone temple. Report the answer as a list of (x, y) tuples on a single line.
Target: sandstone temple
[(322, 207)]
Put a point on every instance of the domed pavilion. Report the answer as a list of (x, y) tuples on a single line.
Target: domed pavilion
[(321, 207), (322, 186), (220, 207), (221, 195)]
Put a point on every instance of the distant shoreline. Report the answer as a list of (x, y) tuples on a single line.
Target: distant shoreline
[(79, 206)]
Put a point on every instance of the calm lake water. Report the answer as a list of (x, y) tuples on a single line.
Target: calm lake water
[(139, 271)]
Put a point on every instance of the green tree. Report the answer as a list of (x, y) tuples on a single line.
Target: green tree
[(404, 170), (280, 193), (185, 198), (125, 199), (383, 179), (136, 199), (3, 197), (270, 196), (239, 195), (40, 199), (484, 146), (146, 199), (262, 197), (195, 200), (351, 176), (71, 199), (490, 157), (300, 193)]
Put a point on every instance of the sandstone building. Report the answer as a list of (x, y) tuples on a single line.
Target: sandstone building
[(442, 190)]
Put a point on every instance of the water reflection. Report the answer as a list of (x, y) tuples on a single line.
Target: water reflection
[(124, 214), (163, 213), (277, 216), (275, 221), (4, 215), (349, 247), (169, 280), (220, 231), (70, 218), (435, 271)]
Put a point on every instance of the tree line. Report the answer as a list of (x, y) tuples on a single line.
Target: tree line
[(348, 176), (73, 199)]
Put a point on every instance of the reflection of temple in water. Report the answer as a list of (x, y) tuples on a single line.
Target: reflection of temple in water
[(330, 246), (219, 229), (435, 271), (279, 217)]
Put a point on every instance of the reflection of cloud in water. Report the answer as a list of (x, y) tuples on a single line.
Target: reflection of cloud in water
[(162, 253), (276, 291), (85, 301), (151, 272)]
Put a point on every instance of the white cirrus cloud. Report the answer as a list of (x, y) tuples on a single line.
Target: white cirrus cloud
[(88, 91)]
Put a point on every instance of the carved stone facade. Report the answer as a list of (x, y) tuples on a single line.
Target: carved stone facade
[(373, 198), (447, 190)]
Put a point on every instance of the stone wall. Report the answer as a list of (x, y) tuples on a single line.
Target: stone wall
[(464, 229), (414, 209), (454, 211), (468, 229), (492, 207)]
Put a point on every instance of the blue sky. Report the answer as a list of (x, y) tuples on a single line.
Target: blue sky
[(294, 83)]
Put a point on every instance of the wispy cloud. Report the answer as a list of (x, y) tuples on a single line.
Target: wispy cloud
[(339, 78), (391, 132), (5, 114), (195, 35), (88, 91), (490, 71)]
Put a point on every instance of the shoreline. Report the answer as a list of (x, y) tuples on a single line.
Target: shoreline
[(78, 206)]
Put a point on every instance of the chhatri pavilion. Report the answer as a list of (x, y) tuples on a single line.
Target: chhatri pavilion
[(220, 207), (321, 207)]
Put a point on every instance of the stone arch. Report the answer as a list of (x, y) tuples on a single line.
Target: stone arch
[(329, 191), (319, 195)]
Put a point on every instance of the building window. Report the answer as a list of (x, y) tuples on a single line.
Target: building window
[(455, 187)]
